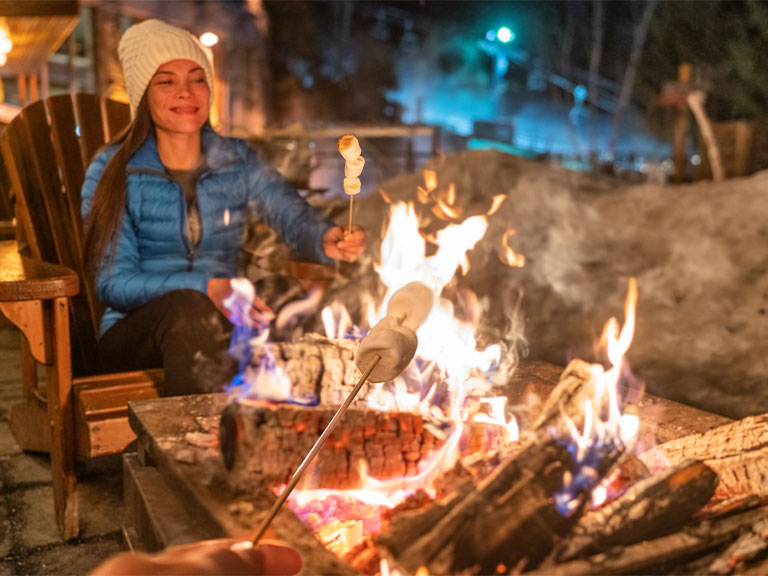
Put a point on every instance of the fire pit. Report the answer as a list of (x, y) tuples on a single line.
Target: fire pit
[(178, 488), (427, 472)]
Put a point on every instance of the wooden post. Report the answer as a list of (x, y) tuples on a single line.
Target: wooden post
[(681, 127), (34, 93), (696, 101), (22, 82), (45, 82)]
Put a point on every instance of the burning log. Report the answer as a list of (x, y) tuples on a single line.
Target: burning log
[(476, 528), (654, 556), (652, 507), (737, 452), (264, 444), (317, 368), (745, 548), (512, 516)]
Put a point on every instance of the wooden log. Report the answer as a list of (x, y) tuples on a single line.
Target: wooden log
[(263, 444), (575, 386), (737, 452), (746, 547), (316, 367), (511, 517), (650, 508), (659, 554), (319, 370)]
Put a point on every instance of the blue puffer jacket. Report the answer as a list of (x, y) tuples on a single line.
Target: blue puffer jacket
[(153, 254)]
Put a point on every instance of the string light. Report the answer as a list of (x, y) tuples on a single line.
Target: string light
[(209, 39)]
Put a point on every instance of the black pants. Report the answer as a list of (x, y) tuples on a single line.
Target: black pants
[(182, 332)]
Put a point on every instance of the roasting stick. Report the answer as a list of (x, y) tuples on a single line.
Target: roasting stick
[(313, 452), (351, 204), (349, 148)]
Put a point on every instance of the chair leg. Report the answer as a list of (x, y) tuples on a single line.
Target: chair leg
[(29, 421), (61, 414)]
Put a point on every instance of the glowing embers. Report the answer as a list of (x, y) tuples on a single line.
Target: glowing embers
[(605, 429)]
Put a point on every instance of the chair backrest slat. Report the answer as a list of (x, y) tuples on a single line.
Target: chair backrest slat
[(92, 135), (118, 117), (19, 160), (67, 146), (46, 161), (66, 143), (59, 213)]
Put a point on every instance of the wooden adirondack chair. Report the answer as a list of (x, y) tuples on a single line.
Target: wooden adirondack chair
[(46, 150)]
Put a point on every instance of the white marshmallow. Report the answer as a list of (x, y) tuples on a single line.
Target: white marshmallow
[(411, 305), (353, 168), (352, 186), (395, 344), (394, 336), (349, 147)]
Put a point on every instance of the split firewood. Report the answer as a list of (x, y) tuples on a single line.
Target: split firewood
[(652, 507), (511, 516), (318, 369), (654, 556), (737, 452), (745, 548), (576, 385), (321, 371)]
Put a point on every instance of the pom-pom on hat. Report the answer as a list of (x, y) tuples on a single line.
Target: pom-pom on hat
[(148, 45)]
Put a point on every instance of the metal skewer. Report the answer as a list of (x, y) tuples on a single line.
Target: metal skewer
[(257, 535)]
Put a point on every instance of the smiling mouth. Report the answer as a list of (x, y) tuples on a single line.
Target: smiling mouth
[(185, 110)]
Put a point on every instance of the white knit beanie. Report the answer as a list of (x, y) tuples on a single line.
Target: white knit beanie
[(148, 45)]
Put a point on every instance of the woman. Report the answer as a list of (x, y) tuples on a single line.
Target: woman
[(166, 207)]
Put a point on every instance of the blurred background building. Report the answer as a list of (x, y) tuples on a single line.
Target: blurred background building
[(577, 83)]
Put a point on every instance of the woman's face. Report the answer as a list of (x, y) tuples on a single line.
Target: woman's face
[(178, 96)]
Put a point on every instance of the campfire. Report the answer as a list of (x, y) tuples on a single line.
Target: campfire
[(433, 473)]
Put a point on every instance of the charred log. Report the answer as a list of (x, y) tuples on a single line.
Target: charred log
[(657, 555), (263, 444), (511, 517), (651, 508)]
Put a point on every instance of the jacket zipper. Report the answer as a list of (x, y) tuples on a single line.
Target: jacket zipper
[(182, 206), (182, 211)]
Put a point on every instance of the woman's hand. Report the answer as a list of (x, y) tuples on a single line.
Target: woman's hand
[(341, 244), (242, 307), (209, 557)]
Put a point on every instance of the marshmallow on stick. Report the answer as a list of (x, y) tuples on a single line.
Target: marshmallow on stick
[(393, 339), (349, 148)]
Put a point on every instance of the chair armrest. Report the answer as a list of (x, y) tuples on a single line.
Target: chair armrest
[(23, 278)]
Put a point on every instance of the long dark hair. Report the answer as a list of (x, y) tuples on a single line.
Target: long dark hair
[(106, 215)]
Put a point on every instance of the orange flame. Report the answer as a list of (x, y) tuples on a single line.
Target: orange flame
[(498, 200), (510, 257), (604, 422), (430, 180), (450, 366)]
